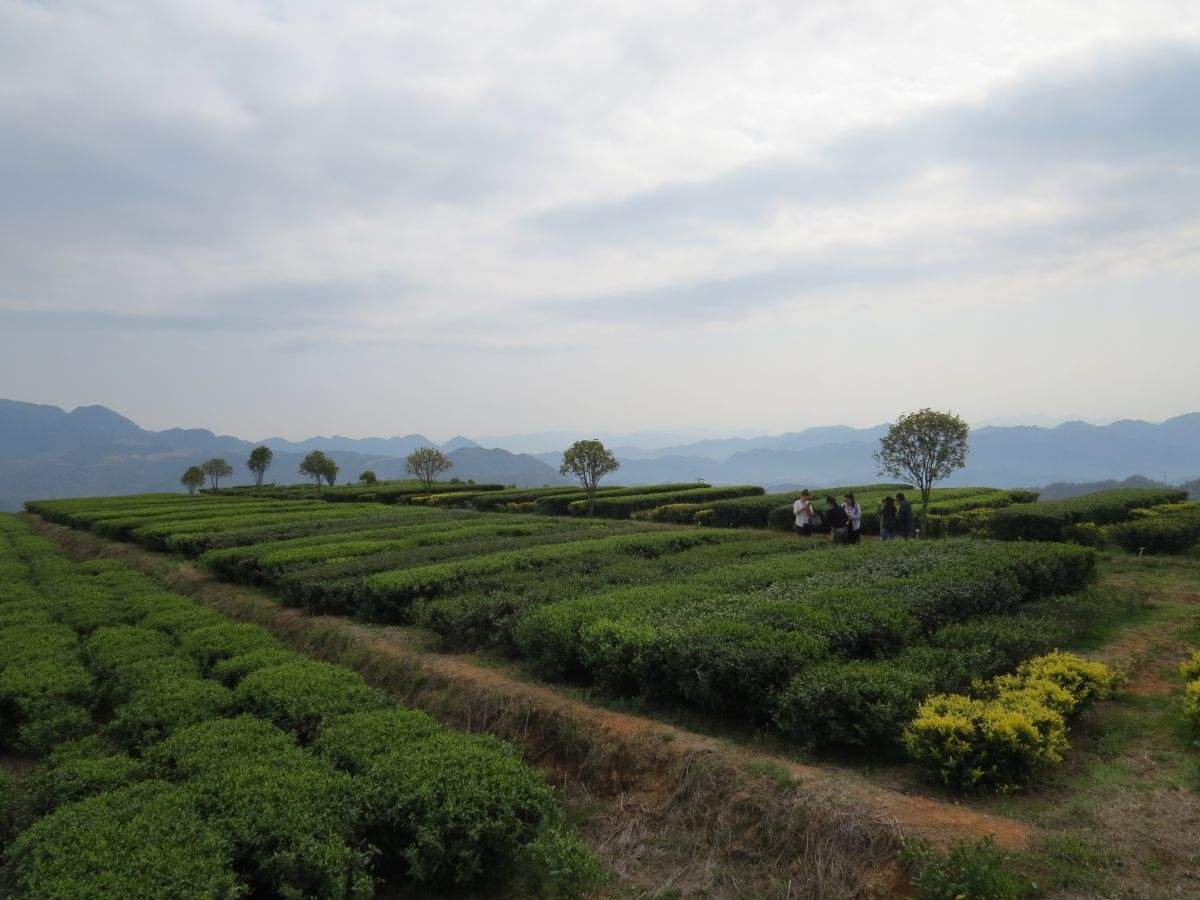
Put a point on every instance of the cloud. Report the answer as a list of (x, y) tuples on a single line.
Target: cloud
[(1127, 112)]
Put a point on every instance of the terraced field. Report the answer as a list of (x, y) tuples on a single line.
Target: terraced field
[(834, 647), (179, 754)]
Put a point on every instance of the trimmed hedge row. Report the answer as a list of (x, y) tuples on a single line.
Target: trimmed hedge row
[(1047, 520), (560, 504), (732, 639), (621, 507), (243, 767), (754, 512), (1172, 528)]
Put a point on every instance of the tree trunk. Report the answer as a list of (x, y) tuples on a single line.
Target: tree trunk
[(924, 511)]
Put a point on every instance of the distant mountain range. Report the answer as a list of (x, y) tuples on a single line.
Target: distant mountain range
[(48, 452)]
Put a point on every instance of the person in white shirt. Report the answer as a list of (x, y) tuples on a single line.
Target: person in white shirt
[(854, 514), (806, 519)]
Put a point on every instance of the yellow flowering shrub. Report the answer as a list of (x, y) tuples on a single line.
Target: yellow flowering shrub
[(994, 744), (1190, 669), (1015, 726), (1191, 705), (1084, 679)]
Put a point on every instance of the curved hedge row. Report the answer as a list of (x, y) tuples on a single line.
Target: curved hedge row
[(622, 506), (1047, 520)]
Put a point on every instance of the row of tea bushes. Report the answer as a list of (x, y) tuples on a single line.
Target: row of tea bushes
[(1013, 728), (201, 758), (1048, 520), (623, 506), (1171, 528), (731, 640), (756, 511)]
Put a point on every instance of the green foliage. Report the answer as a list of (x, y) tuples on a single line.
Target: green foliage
[(144, 840), (923, 447), (215, 469), (454, 808), (368, 477), (192, 479), (287, 814), (1085, 534), (260, 460), (966, 871), (863, 705), (232, 670), (1161, 529), (155, 709), (319, 467), (76, 777), (353, 741), (1047, 520), (588, 461), (681, 513), (427, 464), (297, 696), (622, 506), (214, 643)]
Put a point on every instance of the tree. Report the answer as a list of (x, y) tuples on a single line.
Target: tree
[(368, 477), (923, 447), (260, 460), (589, 461), (331, 471), (427, 464), (317, 466), (192, 479), (216, 469)]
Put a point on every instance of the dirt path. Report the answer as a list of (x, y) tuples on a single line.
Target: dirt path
[(751, 818)]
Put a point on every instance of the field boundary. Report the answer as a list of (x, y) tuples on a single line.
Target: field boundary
[(804, 830)]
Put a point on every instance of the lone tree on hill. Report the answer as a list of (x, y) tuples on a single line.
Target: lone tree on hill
[(260, 460), (589, 461), (427, 464), (216, 469), (318, 467), (923, 447), (368, 477), (192, 479)]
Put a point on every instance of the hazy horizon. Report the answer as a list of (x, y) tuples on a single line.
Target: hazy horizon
[(605, 217)]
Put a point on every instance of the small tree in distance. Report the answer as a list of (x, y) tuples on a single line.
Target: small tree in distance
[(589, 461), (427, 464), (317, 466), (260, 460), (368, 477), (216, 469), (192, 479), (331, 471), (923, 447)]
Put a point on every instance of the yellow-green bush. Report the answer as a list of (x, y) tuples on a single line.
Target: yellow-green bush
[(1016, 726), (1190, 670), (1191, 705), (972, 744)]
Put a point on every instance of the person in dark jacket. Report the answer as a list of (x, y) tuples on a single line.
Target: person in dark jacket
[(837, 520), (889, 520), (904, 517)]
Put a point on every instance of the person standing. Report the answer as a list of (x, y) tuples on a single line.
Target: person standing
[(854, 516), (838, 521), (806, 519), (904, 517), (888, 519)]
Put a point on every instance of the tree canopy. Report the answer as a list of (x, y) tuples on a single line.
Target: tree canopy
[(319, 467), (589, 461), (368, 477), (260, 460), (192, 479), (923, 447), (216, 469), (426, 464)]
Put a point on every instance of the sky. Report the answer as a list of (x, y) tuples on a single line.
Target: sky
[(382, 218)]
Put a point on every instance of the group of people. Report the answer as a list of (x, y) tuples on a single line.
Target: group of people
[(843, 522)]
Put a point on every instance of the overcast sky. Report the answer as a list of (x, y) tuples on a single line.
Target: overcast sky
[(380, 218)]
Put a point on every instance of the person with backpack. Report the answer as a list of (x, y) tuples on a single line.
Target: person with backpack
[(854, 514), (806, 519), (904, 517), (837, 520)]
